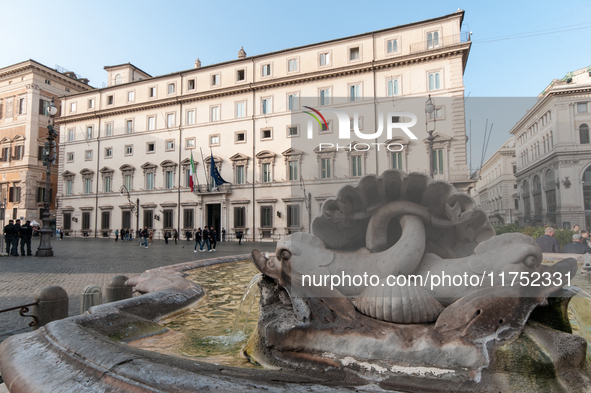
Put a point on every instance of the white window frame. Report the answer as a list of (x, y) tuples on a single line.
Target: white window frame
[(217, 113), (87, 155), (153, 126), (194, 84), (270, 67), (269, 107), (350, 49), (435, 73), (129, 130), (359, 92), (70, 156), (73, 107), (289, 127), (109, 129), (582, 105), (71, 135), (236, 141), (167, 145), (170, 115), (270, 129), (168, 88), (190, 117), (189, 143), (215, 79), (89, 132), (128, 150), (398, 46), (393, 81), (108, 152), (213, 142), (90, 103), (433, 46), (153, 151), (320, 98), (240, 179), (236, 73), (296, 96), (131, 96), (155, 90), (328, 58), (297, 64), (236, 113)]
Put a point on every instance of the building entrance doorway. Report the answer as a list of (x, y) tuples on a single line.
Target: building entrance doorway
[(214, 218)]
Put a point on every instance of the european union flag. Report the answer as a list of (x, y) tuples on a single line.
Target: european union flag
[(216, 174)]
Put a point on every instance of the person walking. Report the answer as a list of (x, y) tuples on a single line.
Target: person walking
[(116, 235), (175, 236), (61, 233), (213, 238), (239, 236), (16, 238), (26, 232), (145, 236), (198, 241), (223, 234), (166, 236), (9, 233), (205, 235), (151, 237)]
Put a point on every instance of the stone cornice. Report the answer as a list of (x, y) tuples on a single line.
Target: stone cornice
[(460, 49), (31, 65)]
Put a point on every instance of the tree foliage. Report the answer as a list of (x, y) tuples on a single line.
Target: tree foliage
[(564, 236)]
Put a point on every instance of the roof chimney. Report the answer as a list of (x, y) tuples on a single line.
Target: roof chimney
[(197, 63), (241, 53)]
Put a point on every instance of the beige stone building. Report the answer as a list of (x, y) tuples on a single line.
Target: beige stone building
[(554, 154), (496, 190), (248, 113), (26, 90)]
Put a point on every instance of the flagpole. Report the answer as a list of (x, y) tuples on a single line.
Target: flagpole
[(204, 170)]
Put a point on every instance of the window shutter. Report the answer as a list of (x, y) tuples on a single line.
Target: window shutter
[(40, 106)]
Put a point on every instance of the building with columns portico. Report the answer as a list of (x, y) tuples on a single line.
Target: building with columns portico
[(141, 131), (553, 151)]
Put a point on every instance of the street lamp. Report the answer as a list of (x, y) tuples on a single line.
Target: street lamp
[(134, 207), (429, 109), (49, 158), (2, 213), (308, 201)]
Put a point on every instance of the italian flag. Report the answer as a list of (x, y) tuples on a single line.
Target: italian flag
[(193, 174)]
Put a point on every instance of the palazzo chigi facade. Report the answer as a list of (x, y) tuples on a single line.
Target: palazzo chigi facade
[(140, 131), (553, 151)]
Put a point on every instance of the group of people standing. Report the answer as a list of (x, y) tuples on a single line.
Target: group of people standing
[(15, 232), (580, 244), (125, 234), (207, 236)]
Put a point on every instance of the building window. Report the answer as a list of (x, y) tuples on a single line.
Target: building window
[(131, 96), (266, 216), (169, 145), (110, 100), (191, 84), (128, 150), (73, 107), (293, 215), (356, 168), (128, 182), (240, 109), (397, 160), (584, 133), (118, 79), (392, 46), (88, 155), (434, 80), (126, 219), (432, 40), (67, 221), (324, 59), (190, 117), (240, 137), (70, 157), (240, 75), (266, 106), (171, 88), (107, 183), (128, 126), (40, 194), (14, 194), (108, 129), (91, 103), (325, 171), (436, 114), (151, 123), (214, 140), (582, 107), (108, 152), (188, 221), (240, 174), (47, 81), (393, 87), (215, 79), (293, 131), (354, 53), (292, 101), (266, 69), (168, 218), (239, 217), (149, 218), (169, 179), (170, 120), (87, 186), (85, 221), (149, 181), (190, 143), (6, 154), (105, 220), (266, 173), (354, 92), (325, 97), (89, 132), (292, 65), (18, 153), (151, 92), (215, 113), (266, 134), (437, 162), (69, 184), (293, 170)]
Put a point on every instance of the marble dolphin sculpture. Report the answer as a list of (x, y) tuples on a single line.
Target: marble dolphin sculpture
[(441, 233)]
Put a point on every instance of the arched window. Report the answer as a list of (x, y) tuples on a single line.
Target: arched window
[(537, 193), (118, 79), (550, 185), (584, 133), (526, 200)]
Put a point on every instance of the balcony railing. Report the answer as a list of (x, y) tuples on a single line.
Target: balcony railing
[(440, 42)]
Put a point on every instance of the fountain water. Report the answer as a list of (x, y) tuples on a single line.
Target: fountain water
[(243, 312)]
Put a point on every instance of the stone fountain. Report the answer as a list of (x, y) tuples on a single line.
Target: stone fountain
[(364, 303)]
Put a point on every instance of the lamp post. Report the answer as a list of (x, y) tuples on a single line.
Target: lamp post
[(134, 207), (429, 109), (308, 201), (2, 215), (49, 158)]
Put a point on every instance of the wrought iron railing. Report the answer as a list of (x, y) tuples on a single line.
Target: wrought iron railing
[(22, 310)]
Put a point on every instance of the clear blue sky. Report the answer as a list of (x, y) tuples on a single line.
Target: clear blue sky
[(518, 47)]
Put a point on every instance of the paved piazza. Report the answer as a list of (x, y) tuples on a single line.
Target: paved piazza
[(81, 262)]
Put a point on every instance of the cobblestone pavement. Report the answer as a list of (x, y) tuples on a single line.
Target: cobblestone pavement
[(81, 262)]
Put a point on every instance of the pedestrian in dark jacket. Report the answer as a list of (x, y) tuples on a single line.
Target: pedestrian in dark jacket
[(205, 235), (144, 234), (16, 238), (547, 242), (175, 236), (212, 238), (577, 246), (9, 235), (198, 241), (26, 232), (166, 236), (239, 236)]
